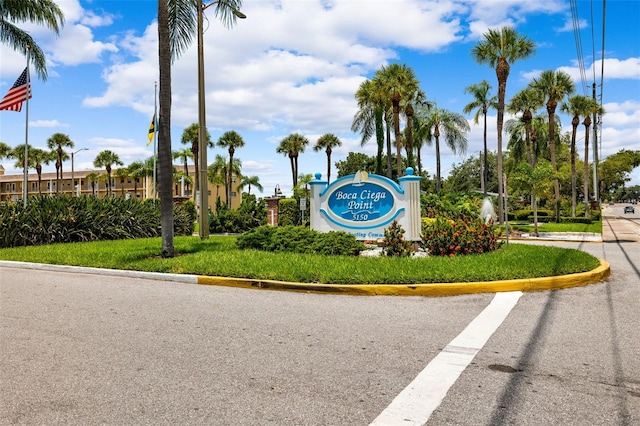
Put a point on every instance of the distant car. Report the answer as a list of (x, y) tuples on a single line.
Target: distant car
[(629, 209)]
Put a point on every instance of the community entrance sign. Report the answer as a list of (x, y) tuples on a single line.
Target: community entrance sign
[(365, 205)]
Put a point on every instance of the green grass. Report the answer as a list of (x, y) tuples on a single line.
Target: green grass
[(217, 256), (595, 227)]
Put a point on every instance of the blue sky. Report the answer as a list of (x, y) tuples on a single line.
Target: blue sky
[(294, 66)]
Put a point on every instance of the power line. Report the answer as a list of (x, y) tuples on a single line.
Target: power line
[(575, 19)]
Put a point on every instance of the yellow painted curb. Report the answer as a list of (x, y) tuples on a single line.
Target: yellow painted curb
[(445, 289)]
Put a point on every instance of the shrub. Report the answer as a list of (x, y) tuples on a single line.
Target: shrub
[(450, 238), (394, 243), (288, 212), (249, 215), (64, 219), (299, 239)]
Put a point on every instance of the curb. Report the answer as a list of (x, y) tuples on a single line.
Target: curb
[(444, 289), (599, 274)]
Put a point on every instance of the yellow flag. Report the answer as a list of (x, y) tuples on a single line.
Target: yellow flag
[(152, 129)]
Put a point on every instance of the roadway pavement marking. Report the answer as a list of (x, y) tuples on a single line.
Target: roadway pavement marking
[(415, 404)]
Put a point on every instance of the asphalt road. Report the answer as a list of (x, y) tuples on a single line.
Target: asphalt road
[(80, 349)]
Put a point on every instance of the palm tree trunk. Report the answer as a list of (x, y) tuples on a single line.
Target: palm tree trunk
[(164, 132), (551, 109), (437, 164), (389, 166), (328, 164), (396, 133), (485, 172), (502, 73)]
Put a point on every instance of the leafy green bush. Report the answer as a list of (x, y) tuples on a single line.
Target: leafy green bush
[(449, 205), (288, 212), (446, 237), (250, 214), (585, 220), (299, 239), (64, 218), (394, 243)]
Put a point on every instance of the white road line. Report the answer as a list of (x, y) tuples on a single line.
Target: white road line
[(415, 404)]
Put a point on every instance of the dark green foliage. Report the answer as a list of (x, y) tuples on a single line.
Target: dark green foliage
[(250, 214), (394, 243), (288, 212), (446, 237), (60, 219), (449, 205), (299, 239), (584, 220)]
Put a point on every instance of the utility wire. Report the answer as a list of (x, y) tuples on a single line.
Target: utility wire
[(575, 20)]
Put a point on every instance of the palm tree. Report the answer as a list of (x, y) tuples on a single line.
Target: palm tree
[(17, 153), (40, 157), (369, 118), (328, 141), (5, 150), (230, 140), (292, 146), (41, 12), (183, 155), (249, 181), (399, 82), (107, 159), (190, 137), (92, 178), (577, 105), (555, 85), (500, 48), (409, 104), (526, 101), (481, 104), (451, 125), (221, 166), (123, 174), (57, 142), (136, 171)]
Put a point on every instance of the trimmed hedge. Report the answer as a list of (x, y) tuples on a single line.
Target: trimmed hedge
[(299, 239), (67, 219)]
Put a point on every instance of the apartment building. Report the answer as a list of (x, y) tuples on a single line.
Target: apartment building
[(96, 183)]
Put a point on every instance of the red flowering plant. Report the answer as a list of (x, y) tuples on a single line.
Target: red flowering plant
[(394, 243), (446, 237)]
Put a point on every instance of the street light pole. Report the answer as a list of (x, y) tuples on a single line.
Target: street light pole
[(73, 181), (203, 220)]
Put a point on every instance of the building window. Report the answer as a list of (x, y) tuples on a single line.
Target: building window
[(233, 193)]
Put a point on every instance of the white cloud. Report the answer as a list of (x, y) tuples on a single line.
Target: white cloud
[(47, 123)]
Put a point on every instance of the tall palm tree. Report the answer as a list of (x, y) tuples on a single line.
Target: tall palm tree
[(92, 178), (369, 119), (328, 141), (57, 142), (441, 122), (190, 137), (526, 101), (578, 106), (106, 159), (40, 157), (409, 104), (5, 150), (183, 155), (41, 12), (481, 103), (292, 146), (136, 171), (420, 138), (122, 173), (222, 167), (555, 85), (500, 48), (399, 82), (248, 182), (17, 153), (230, 140)]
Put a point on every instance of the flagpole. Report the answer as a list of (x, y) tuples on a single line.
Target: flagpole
[(26, 136), (155, 139)]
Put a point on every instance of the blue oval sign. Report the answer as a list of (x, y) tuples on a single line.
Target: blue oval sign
[(360, 202)]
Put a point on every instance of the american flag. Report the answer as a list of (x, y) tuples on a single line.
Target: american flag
[(19, 92)]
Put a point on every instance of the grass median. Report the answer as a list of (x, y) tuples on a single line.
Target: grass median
[(217, 256)]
